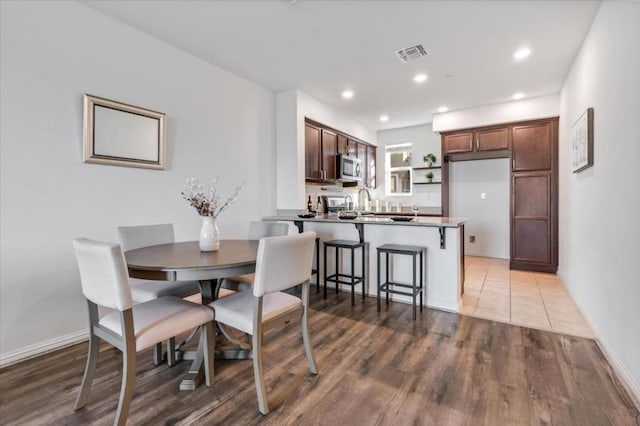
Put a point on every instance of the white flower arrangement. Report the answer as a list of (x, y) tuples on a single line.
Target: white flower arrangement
[(207, 203)]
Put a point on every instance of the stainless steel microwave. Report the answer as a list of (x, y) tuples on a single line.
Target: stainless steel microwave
[(348, 168)]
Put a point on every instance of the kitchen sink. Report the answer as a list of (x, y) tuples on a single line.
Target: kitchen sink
[(374, 219)]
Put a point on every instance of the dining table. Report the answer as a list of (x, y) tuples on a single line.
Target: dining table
[(184, 261)]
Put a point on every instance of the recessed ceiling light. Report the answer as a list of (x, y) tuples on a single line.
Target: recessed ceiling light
[(420, 78), (522, 53), (347, 94), (384, 118), (443, 109), (518, 95)]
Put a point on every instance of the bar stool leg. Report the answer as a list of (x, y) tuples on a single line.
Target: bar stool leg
[(353, 277), (421, 281), (364, 274), (378, 279), (325, 272), (415, 282), (317, 265), (387, 280), (337, 269)]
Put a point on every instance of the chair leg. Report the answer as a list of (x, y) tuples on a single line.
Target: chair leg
[(263, 405), (171, 351), (128, 371), (305, 329), (89, 371), (209, 347), (157, 354)]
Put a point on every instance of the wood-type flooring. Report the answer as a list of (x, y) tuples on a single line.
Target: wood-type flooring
[(374, 368)]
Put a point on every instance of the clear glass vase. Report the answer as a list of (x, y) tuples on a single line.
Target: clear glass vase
[(209, 234)]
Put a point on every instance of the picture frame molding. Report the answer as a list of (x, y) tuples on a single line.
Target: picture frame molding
[(577, 129), (90, 155)]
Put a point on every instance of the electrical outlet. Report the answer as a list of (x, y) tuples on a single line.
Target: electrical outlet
[(472, 238), (483, 195)]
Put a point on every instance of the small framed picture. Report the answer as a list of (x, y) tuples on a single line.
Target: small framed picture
[(582, 142), (119, 134)]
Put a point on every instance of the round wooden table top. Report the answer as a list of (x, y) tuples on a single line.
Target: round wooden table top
[(187, 256)]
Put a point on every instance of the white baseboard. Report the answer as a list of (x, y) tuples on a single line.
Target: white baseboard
[(633, 389), (41, 348)]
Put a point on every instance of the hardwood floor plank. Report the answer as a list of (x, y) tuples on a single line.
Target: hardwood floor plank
[(374, 368)]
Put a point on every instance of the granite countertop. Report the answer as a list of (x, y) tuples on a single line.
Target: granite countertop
[(447, 222)]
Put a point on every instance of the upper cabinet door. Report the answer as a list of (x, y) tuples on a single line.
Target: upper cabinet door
[(329, 151), (532, 147), (343, 145), (490, 139), (312, 162), (457, 142)]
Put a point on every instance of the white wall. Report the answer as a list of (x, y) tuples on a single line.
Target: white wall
[(599, 207), (424, 141), (293, 106), (504, 112), (488, 217), (52, 53)]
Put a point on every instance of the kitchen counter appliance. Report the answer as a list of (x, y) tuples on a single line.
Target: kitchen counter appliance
[(334, 204)]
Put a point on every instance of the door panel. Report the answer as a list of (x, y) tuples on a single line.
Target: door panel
[(312, 164), (531, 147), (457, 142), (329, 151), (532, 244), (492, 139), (531, 195)]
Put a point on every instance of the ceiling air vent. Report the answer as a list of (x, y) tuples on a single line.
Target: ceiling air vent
[(411, 53)]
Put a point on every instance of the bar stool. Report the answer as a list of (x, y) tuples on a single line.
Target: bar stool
[(339, 277), (388, 285)]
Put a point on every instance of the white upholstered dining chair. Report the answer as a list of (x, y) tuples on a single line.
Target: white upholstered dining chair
[(282, 263), (257, 230), (134, 237), (130, 328)]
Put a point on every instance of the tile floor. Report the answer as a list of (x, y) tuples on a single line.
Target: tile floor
[(530, 299)]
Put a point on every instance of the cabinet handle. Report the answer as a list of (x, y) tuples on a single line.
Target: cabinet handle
[(513, 164), (477, 144)]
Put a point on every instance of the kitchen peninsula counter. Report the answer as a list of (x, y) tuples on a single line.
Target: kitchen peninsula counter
[(447, 222), (442, 237)]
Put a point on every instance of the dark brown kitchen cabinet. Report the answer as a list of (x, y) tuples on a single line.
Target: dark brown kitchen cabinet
[(534, 195), (532, 147), (320, 153), (323, 143), (473, 142), (346, 146), (329, 151), (457, 142), (490, 139), (532, 238), (312, 150)]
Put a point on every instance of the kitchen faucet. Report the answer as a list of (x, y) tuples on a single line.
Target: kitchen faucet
[(361, 198)]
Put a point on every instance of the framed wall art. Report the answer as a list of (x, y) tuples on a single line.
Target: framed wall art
[(122, 135), (582, 142)]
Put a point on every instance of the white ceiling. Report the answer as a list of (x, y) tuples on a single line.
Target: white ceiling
[(325, 47)]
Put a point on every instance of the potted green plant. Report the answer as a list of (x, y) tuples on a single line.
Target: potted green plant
[(429, 176), (429, 159)]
